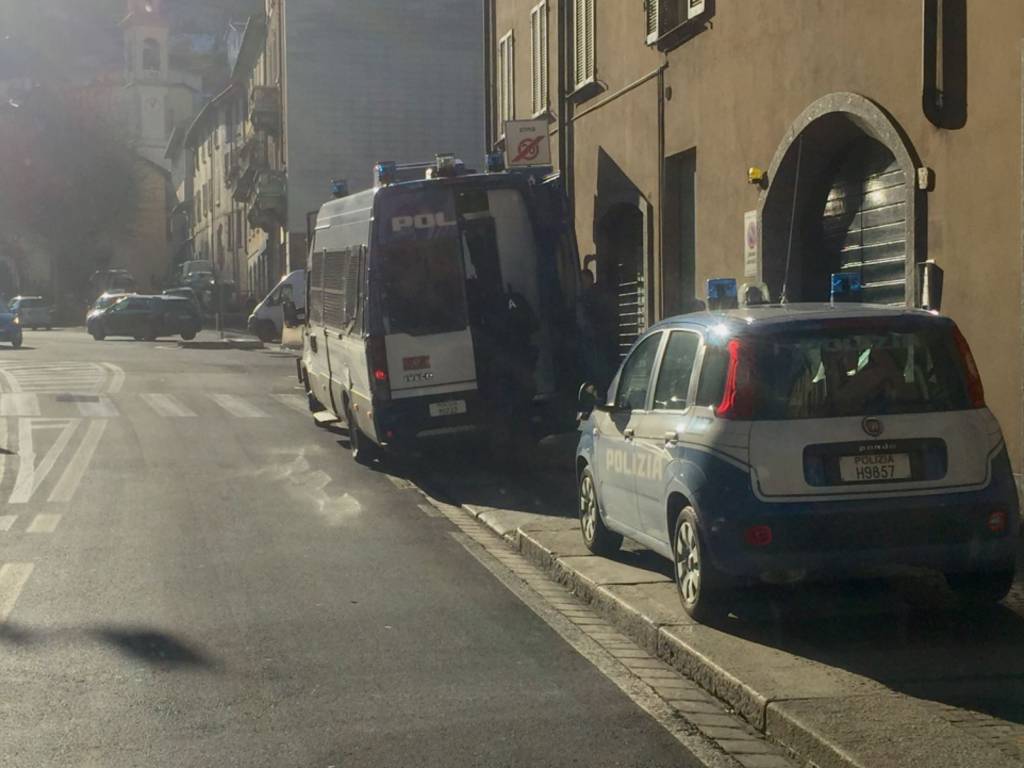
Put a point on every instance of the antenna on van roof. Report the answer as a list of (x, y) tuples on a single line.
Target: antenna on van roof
[(784, 296)]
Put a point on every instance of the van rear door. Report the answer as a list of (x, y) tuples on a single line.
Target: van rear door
[(421, 295)]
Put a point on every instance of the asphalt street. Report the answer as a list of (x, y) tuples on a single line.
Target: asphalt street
[(192, 574)]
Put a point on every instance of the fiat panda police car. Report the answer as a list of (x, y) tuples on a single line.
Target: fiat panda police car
[(771, 443)]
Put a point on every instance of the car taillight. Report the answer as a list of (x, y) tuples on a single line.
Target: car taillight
[(738, 397), (975, 389), (377, 355)]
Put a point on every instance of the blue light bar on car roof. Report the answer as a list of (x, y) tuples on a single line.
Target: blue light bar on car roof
[(722, 293), (846, 286), (385, 173)]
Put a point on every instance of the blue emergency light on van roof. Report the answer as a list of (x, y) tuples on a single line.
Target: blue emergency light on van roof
[(339, 188), (385, 173), (846, 286), (494, 162), (722, 293)]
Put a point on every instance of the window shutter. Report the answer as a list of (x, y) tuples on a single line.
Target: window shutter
[(579, 41), (543, 58), (590, 39), (653, 17), (535, 59)]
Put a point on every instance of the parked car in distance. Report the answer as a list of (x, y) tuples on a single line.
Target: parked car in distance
[(33, 311), (185, 293), (10, 329), (146, 317), (103, 302)]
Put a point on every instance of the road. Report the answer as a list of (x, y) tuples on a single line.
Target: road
[(192, 574)]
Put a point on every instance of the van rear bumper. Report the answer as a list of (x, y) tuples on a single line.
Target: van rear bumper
[(947, 532), (402, 424)]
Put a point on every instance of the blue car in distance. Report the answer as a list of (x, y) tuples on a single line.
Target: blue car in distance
[(10, 329)]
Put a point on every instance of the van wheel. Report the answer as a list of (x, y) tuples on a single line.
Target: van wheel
[(364, 451), (99, 335), (188, 336), (697, 582), (265, 331), (982, 589), (597, 538)]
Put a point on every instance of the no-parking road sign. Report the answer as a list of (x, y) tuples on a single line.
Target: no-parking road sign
[(527, 143)]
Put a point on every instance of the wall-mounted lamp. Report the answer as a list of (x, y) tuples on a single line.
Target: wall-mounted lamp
[(757, 177)]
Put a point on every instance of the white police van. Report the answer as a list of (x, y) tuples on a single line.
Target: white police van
[(432, 296), (770, 443)]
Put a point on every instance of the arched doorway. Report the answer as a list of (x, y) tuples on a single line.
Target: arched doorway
[(620, 276), (842, 198)]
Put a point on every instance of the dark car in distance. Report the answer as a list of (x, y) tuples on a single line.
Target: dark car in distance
[(147, 317)]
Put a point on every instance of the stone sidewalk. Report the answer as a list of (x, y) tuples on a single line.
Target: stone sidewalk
[(872, 674)]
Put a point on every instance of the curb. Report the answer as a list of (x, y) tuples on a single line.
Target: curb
[(789, 732), (224, 344)]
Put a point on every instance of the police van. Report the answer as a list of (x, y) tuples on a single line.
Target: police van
[(436, 299), (772, 443)]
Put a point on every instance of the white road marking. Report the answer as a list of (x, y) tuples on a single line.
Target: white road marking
[(30, 477), (116, 378), (75, 470), (167, 406), (4, 446), (19, 404), (44, 524), (238, 407), (13, 577), (295, 402), (7, 522), (101, 409)]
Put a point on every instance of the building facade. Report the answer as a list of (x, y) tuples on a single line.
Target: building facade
[(370, 80), (888, 135)]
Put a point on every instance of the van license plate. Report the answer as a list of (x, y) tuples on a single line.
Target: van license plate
[(449, 408), (874, 467)]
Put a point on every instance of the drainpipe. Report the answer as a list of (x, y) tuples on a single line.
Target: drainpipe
[(566, 107), (488, 74)]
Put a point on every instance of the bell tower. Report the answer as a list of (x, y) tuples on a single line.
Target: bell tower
[(146, 36)]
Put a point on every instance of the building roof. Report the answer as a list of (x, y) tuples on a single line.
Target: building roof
[(201, 119), (254, 40)]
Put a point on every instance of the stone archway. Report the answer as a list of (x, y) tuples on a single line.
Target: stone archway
[(842, 196)]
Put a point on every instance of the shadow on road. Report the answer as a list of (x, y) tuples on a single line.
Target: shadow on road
[(148, 646)]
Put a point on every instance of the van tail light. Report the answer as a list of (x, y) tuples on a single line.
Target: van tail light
[(738, 397), (975, 389), (377, 356), (997, 521)]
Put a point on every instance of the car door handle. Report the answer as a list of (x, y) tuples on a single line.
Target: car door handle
[(628, 433)]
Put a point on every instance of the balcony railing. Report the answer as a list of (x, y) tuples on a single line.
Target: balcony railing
[(269, 207), (253, 158), (265, 108)]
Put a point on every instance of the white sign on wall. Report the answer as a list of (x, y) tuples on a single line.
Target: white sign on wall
[(751, 245), (527, 143)]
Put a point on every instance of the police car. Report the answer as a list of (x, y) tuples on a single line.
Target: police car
[(772, 443)]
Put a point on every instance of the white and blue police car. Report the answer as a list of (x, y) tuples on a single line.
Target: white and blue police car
[(773, 443)]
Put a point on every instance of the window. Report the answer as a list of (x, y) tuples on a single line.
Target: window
[(424, 287), (663, 16), (583, 42), (539, 57), (151, 55), (635, 379), (341, 282), (506, 82), (712, 376), (676, 370), (316, 292)]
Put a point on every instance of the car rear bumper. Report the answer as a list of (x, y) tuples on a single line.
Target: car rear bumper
[(948, 532), (405, 423)]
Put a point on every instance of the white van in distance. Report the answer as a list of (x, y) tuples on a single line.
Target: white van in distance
[(267, 318)]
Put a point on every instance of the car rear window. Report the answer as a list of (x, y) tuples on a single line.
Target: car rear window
[(828, 371)]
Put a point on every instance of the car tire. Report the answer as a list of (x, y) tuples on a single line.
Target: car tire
[(364, 450), (265, 331), (697, 582), (99, 335), (16, 343), (188, 336), (596, 537), (981, 589)]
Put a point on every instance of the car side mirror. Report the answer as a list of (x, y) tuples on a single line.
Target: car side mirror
[(291, 315)]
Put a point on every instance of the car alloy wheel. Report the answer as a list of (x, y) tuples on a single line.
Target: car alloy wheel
[(688, 562), (596, 537)]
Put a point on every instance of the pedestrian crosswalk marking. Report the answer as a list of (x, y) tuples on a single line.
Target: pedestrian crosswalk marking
[(238, 407), (116, 378), (7, 522), (30, 476), (44, 523), (298, 403), (165, 405), (19, 404), (75, 470), (101, 408), (13, 577), (43, 378)]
